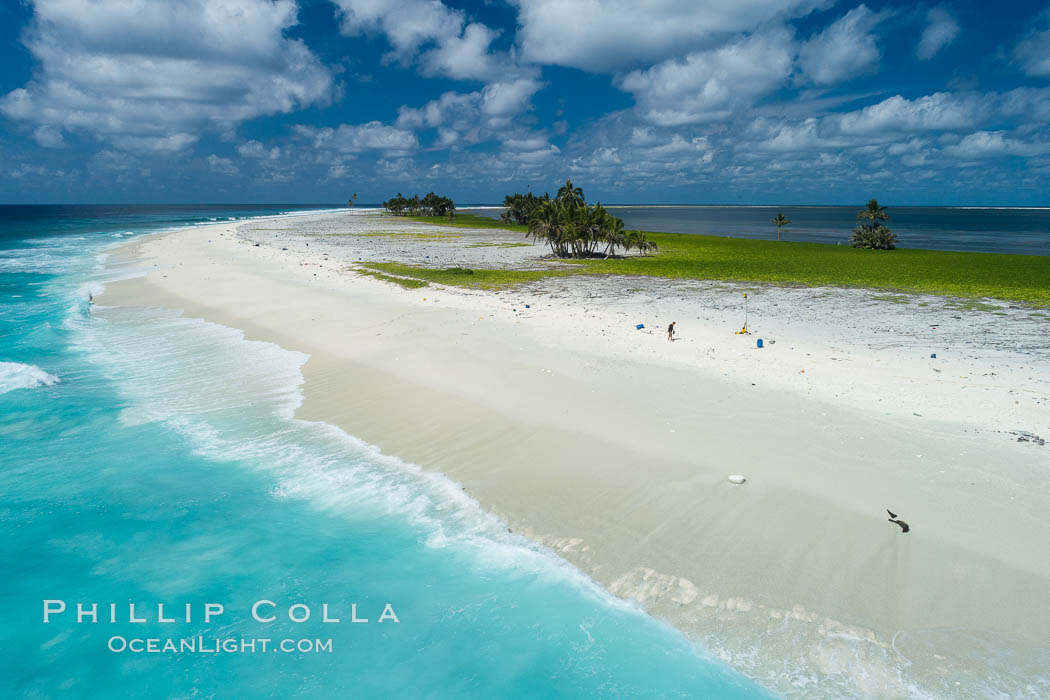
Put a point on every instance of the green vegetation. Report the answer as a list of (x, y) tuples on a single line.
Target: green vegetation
[(869, 233), (519, 207), (574, 229), (469, 221), (571, 231), (685, 256), (874, 238), (971, 306), (417, 236), (465, 277), (780, 221), (407, 283), (567, 224), (430, 205)]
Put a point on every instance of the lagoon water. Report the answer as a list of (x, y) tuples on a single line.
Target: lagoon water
[(1023, 231), (149, 458)]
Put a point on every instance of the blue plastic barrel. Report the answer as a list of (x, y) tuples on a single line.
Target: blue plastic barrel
[(640, 326), (934, 356), (760, 342)]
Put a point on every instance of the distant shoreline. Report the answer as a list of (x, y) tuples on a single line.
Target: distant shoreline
[(367, 205)]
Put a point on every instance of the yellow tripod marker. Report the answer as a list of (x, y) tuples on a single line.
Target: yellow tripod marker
[(744, 330)]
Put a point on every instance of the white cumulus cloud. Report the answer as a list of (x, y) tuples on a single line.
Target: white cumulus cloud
[(456, 109), (48, 136), (466, 57), (941, 111), (606, 35), (162, 145), (407, 24), (505, 99), (254, 149), (442, 38), (465, 118), (1033, 52), (941, 30), (352, 138), (993, 144), (150, 76), (844, 50), (222, 166), (706, 85)]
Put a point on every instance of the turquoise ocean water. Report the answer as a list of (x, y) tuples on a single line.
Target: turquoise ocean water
[(148, 458)]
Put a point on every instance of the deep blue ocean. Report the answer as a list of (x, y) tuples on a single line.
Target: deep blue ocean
[(1024, 231), (153, 459)]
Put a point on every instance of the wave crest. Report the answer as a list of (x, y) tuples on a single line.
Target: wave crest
[(15, 375)]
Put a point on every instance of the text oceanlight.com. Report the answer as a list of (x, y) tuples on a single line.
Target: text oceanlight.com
[(228, 645)]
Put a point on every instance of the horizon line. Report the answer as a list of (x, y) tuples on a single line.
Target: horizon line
[(371, 205)]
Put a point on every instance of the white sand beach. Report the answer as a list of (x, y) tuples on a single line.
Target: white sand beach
[(612, 446)]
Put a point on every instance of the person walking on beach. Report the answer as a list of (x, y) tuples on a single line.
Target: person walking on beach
[(670, 330)]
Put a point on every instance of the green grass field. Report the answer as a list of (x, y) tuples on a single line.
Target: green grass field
[(467, 221), (410, 283), (1024, 278)]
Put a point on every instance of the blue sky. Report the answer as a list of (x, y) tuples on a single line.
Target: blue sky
[(659, 101)]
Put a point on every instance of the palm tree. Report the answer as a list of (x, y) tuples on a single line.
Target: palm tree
[(614, 235), (593, 223), (547, 224), (637, 239), (574, 229), (870, 232), (873, 214), (780, 220), (571, 196)]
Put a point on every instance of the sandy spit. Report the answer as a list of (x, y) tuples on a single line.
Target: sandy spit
[(612, 445)]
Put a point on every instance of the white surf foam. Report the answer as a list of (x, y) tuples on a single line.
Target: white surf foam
[(235, 400), (89, 290), (15, 375), (34, 261)]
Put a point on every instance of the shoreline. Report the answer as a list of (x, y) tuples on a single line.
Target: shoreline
[(607, 455)]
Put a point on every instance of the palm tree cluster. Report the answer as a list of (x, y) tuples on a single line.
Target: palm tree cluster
[(574, 229), (430, 205), (870, 232), (519, 207)]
